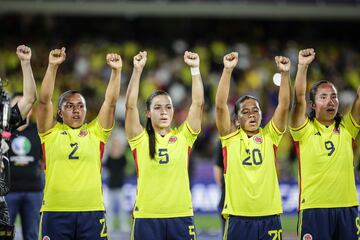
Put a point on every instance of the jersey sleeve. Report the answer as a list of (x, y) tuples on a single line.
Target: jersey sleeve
[(300, 132), (45, 135), (135, 141), (274, 133), (350, 124), (188, 132), (101, 133)]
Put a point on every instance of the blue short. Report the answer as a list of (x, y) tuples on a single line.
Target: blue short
[(178, 228), (329, 223), (73, 226), (254, 228)]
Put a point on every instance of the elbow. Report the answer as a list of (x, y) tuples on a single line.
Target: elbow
[(285, 103), (130, 106), (220, 108)]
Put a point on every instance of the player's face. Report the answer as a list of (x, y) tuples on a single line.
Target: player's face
[(326, 103), (73, 110), (161, 112), (249, 116)]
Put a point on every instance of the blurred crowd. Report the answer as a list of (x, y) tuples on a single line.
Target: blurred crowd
[(85, 69)]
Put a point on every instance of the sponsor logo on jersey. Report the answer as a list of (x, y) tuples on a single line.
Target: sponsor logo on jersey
[(318, 133), (83, 133), (172, 139), (258, 139), (64, 133), (307, 236)]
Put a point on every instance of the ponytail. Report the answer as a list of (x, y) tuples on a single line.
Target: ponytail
[(337, 119), (151, 133)]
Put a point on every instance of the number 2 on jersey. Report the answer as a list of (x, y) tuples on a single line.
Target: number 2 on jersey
[(163, 155), (72, 155)]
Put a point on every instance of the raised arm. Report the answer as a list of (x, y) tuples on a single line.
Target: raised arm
[(107, 111), (355, 110), (29, 88), (45, 119), (281, 113), (197, 91), (223, 121), (298, 113), (132, 120)]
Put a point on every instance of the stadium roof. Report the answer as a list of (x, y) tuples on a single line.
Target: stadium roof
[(272, 9)]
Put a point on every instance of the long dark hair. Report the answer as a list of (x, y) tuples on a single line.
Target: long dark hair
[(62, 98), (149, 127), (240, 100), (312, 94)]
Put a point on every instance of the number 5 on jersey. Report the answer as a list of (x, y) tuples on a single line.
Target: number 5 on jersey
[(163, 155)]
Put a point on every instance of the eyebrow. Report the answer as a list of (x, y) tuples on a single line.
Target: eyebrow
[(325, 94), (158, 104), (249, 108), (74, 103)]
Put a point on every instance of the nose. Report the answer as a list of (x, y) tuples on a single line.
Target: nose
[(331, 102), (163, 111)]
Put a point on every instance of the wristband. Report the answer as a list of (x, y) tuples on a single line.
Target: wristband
[(195, 71)]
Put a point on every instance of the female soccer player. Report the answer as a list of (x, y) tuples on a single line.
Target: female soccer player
[(163, 208), (324, 140), (73, 203), (252, 196)]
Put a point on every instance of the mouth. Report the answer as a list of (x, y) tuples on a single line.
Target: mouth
[(330, 110), (253, 122)]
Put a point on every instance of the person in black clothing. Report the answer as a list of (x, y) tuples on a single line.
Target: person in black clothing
[(25, 196), (219, 179), (13, 120), (115, 163)]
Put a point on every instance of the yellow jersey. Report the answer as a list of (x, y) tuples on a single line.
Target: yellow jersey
[(251, 184), (163, 189), (326, 164), (73, 167)]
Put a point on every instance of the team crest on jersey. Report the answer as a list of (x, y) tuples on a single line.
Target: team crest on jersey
[(336, 130), (83, 133), (172, 139), (258, 139), (307, 236), (46, 238)]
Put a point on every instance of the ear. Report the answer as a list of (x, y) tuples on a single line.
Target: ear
[(147, 113), (59, 113), (312, 105), (237, 123)]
